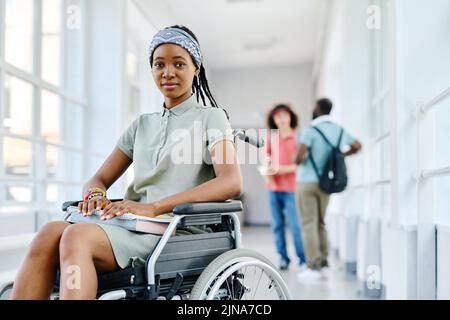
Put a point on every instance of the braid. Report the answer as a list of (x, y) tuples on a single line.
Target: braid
[(195, 87), (205, 87)]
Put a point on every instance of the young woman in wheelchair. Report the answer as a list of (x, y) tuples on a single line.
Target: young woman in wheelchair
[(162, 180)]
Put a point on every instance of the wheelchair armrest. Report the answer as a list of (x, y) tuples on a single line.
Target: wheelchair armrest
[(68, 204), (208, 208)]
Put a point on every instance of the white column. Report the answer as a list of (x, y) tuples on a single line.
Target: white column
[(426, 237), (105, 73)]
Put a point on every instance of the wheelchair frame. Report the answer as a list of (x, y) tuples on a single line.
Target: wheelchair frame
[(186, 215), (224, 255)]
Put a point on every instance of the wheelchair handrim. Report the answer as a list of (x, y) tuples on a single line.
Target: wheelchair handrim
[(236, 264)]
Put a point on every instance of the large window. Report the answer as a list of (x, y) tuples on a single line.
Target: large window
[(42, 109)]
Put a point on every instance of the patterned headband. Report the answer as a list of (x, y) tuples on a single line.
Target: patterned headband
[(178, 37)]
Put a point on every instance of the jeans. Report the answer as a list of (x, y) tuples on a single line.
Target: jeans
[(284, 210)]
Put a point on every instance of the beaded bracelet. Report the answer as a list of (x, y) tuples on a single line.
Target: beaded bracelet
[(93, 195), (94, 192)]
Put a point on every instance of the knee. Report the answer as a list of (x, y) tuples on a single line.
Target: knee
[(295, 228), (46, 242), (73, 242)]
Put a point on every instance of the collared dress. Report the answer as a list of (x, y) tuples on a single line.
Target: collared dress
[(171, 154)]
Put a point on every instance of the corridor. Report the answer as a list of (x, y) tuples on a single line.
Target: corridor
[(76, 86)]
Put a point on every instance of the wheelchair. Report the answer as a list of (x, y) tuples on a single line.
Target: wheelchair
[(209, 266)]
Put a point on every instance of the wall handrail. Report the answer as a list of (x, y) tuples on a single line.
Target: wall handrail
[(434, 173), (380, 139), (436, 100), (381, 95), (369, 184), (380, 182), (356, 187)]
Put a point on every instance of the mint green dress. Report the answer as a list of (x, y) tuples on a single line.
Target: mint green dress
[(171, 154)]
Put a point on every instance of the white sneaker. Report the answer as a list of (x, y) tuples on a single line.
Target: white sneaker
[(302, 267), (309, 275), (325, 272)]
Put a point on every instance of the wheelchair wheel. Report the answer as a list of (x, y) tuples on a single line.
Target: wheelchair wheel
[(240, 274), (5, 291)]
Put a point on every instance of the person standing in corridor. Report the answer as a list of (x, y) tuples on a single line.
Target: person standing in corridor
[(280, 175), (313, 154)]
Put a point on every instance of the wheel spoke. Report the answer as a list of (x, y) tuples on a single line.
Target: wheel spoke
[(259, 280), (246, 284), (228, 285), (233, 278), (271, 286), (241, 294)]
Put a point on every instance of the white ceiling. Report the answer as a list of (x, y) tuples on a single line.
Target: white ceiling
[(250, 33)]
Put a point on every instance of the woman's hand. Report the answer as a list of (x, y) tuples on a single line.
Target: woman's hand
[(95, 204), (267, 171), (116, 209)]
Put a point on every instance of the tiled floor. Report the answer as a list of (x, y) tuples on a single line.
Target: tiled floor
[(339, 285)]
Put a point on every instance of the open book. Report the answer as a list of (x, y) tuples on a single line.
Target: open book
[(128, 221)]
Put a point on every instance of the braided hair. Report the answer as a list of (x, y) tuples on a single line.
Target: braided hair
[(200, 86)]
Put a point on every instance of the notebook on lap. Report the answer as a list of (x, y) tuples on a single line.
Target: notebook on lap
[(128, 221)]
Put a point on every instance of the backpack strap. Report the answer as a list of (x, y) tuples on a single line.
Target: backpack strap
[(324, 137), (328, 141), (338, 146), (316, 170)]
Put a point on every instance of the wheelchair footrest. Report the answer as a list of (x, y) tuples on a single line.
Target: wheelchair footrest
[(175, 286), (120, 279), (123, 278)]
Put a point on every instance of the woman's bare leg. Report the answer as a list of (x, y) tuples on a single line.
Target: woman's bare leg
[(36, 276), (84, 250)]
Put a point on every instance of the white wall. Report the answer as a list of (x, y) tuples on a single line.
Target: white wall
[(345, 70), (443, 263), (399, 262), (423, 72), (418, 71), (248, 94), (426, 47)]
